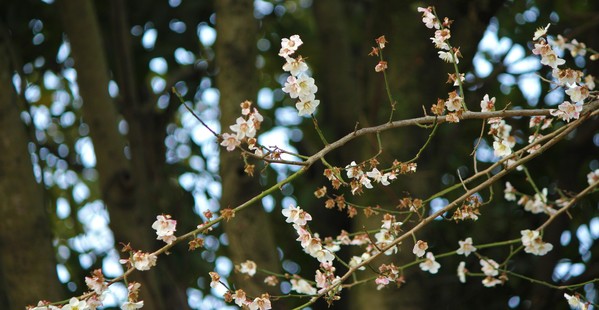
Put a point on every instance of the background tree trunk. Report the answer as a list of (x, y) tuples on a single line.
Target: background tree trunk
[(25, 237), (128, 190), (250, 234)]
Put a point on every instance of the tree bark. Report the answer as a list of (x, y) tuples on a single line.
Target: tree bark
[(249, 233), (122, 188), (25, 235)]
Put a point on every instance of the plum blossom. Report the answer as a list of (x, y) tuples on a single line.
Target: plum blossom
[(248, 267), (533, 243), (295, 66), (143, 261), (302, 286), (578, 93), (593, 177), (466, 247), (487, 105), (489, 267), (165, 228), (289, 46), (260, 303), (307, 107), (296, 215), (428, 18), (97, 282), (575, 303), (76, 304), (129, 305), (462, 272), (567, 111), (540, 32), (214, 279), (239, 297), (509, 192), (383, 239), (454, 102), (430, 264), (420, 248), (502, 148), (230, 141), (243, 128)]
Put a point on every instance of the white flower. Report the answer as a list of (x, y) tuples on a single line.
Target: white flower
[(296, 215), (502, 148), (430, 264), (378, 177), (132, 305), (165, 228), (509, 192), (487, 104), (307, 107), (540, 32), (230, 141), (239, 297), (289, 46), (383, 239), (593, 177), (489, 267), (248, 267), (448, 57), (353, 171), (533, 243), (567, 111), (578, 93), (302, 87), (428, 18), (302, 286), (295, 66), (466, 247), (243, 128), (75, 304), (462, 272), (260, 303), (143, 261), (528, 236), (420, 248), (575, 302), (365, 181), (323, 255), (490, 281)]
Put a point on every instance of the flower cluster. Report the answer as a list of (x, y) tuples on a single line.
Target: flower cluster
[(388, 274), (165, 228), (141, 261), (298, 85), (248, 267), (571, 80), (536, 204), (377, 51), (309, 242), (503, 141), (469, 210), (240, 298), (491, 270), (533, 243), (325, 279), (244, 129), (455, 101), (361, 178)]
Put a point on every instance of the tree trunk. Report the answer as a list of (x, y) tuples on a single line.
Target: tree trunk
[(250, 234), (123, 187), (25, 236)]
